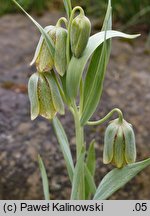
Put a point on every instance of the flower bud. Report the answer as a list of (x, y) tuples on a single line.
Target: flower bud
[(44, 96), (79, 34), (119, 144)]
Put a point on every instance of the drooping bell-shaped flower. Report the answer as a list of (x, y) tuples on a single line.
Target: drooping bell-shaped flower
[(79, 34), (119, 144), (44, 95), (43, 59)]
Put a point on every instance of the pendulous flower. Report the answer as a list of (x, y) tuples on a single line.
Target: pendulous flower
[(119, 144), (44, 95), (43, 59)]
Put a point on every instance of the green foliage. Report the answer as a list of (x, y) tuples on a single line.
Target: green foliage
[(77, 177), (117, 178), (37, 5), (96, 71), (123, 10), (90, 167), (48, 40), (64, 145), (44, 178), (74, 74), (68, 7)]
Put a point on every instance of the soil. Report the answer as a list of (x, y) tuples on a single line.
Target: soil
[(127, 86)]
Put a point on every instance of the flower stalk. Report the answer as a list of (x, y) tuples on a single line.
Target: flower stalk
[(109, 115)]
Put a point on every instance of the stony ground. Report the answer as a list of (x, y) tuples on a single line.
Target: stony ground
[(127, 86)]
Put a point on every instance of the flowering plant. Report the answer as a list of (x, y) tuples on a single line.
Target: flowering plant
[(62, 79)]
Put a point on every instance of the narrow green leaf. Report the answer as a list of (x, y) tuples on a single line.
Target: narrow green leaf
[(107, 24), (96, 72), (64, 145), (91, 100), (44, 178), (63, 82), (91, 158), (68, 7), (43, 32), (77, 178), (117, 178), (76, 66), (90, 164), (90, 181)]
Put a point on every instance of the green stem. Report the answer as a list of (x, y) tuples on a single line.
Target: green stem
[(62, 20), (101, 121), (81, 97)]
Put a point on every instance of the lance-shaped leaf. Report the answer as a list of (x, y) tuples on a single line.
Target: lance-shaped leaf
[(43, 32), (77, 178), (90, 184), (107, 24), (91, 158), (91, 98), (44, 178), (90, 170), (96, 72), (117, 178), (68, 7), (64, 145), (76, 66)]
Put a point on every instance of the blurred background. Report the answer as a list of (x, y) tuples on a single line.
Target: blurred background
[(127, 86), (125, 11)]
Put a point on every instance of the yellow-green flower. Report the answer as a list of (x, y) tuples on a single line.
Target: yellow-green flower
[(43, 59), (44, 95), (119, 144)]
